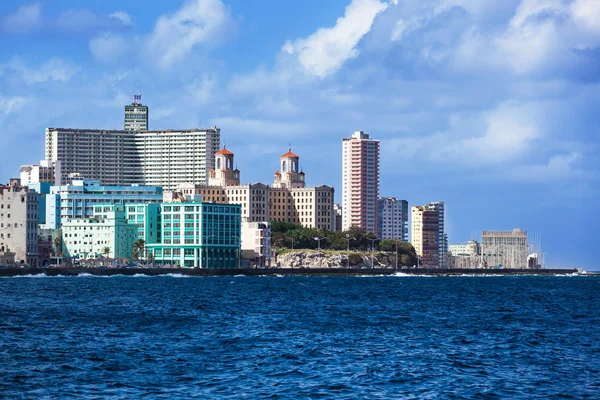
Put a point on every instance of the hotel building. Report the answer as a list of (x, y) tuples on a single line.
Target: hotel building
[(360, 181), (425, 231), (165, 158), (136, 115), (287, 200)]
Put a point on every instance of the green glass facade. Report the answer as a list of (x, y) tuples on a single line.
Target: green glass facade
[(198, 235)]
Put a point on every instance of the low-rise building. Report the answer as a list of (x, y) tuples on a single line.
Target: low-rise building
[(147, 218), (107, 229), (256, 243), (502, 249), (19, 222), (46, 171), (78, 199), (464, 255)]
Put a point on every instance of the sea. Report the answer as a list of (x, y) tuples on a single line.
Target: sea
[(393, 337)]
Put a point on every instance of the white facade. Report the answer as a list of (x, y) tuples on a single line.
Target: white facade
[(360, 181), (505, 249), (393, 218), (469, 249), (108, 228), (19, 223), (256, 242), (165, 158), (136, 115), (45, 172)]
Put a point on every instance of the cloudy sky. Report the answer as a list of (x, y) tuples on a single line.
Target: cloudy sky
[(491, 106)]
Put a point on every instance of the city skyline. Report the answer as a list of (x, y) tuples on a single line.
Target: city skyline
[(488, 107)]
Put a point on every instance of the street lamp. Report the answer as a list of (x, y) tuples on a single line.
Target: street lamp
[(396, 240), (292, 239), (372, 250), (318, 239)]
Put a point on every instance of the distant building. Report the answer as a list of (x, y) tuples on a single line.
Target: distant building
[(19, 222), (464, 255), (146, 217), (337, 212), (393, 218), (166, 158), (360, 182), (136, 115), (442, 237), (78, 199), (45, 172), (199, 235), (85, 238), (256, 242), (501, 249), (425, 231)]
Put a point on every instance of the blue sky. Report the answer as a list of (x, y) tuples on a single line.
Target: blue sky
[(491, 106)]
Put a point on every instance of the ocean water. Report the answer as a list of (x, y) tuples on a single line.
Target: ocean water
[(299, 337)]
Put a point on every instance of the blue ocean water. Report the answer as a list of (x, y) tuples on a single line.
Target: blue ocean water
[(300, 337)]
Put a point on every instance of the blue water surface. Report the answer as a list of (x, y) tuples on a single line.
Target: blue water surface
[(300, 337)]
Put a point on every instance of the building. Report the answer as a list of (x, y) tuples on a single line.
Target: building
[(425, 228), (337, 212), (464, 255), (165, 158), (442, 238), (502, 249), (147, 218), (256, 243), (78, 199), (199, 235), (45, 172), (288, 200), (393, 218), (19, 222), (136, 115), (107, 233), (360, 181)]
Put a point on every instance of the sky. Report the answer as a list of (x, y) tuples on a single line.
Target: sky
[(490, 106)]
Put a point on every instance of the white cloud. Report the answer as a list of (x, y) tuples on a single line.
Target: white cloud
[(11, 104), (122, 16), (323, 52), (25, 19), (559, 167), (55, 69), (197, 22), (109, 47)]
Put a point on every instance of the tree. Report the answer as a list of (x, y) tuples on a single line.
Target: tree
[(138, 248), (57, 245), (106, 251)]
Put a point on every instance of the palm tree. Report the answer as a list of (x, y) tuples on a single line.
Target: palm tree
[(106, 251), (138, 248)]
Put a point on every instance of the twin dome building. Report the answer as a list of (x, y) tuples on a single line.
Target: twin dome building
[(287, 199)]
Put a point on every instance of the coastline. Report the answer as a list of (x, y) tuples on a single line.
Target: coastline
[(12, 272)]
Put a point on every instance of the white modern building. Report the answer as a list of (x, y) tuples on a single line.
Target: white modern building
[(78, 199), (45, 172), (464, 255), (19, 223), (87, 238), (360, 181), (165, 158), (505, 249), (393, 219), (136, 115), (256, 242)]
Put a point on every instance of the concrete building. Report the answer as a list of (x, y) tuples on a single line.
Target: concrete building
[(464, 255), (19, 222), (393, 218), (501, 249), (136, 115), (166, 158), (147, 218), (425, 233), (442, 238), (45, 172), (256, 243), (360, 181), (337, 212), (199, 235), (86, 238), (287, 200), (78, 200)]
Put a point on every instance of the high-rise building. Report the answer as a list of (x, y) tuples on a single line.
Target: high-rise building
[(136, 115), (360, 181), (505, 249), (19, 222), (288, 200), (442, 238), (337, 212), (425, 228), (393, 218), (155, 158)]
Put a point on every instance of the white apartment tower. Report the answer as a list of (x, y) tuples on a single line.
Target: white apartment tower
[(393, 218), (360, 181), (136, 115), (166, 158)]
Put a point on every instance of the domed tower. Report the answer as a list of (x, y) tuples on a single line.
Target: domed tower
[(288, 176), (224, 174)]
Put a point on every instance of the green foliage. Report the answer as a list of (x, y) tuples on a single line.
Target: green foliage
[(354, 259), (407, 256)]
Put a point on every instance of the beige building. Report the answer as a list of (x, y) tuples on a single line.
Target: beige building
[(288, 200), (165, 158), (19, 222), (505, 249), (256, 242)]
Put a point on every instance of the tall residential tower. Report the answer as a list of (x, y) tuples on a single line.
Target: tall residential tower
[(360, 181), (136, 115)]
